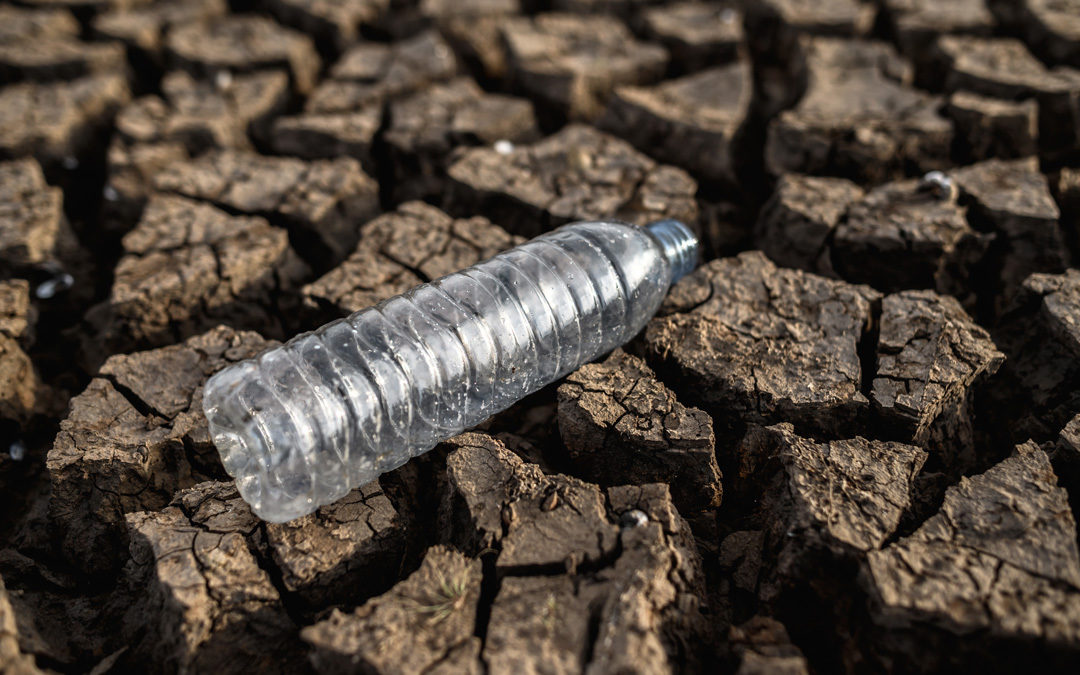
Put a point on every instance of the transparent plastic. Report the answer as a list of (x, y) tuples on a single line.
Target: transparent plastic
[(301, 424)]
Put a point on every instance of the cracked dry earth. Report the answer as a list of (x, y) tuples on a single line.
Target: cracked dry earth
[(849, 442)]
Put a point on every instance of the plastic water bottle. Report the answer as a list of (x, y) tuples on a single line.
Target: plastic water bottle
[(302, 424)]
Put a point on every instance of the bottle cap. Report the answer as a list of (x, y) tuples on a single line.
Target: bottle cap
[(680, 246)]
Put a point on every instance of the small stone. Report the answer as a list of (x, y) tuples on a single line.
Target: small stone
[(50, 289), (633, 518)]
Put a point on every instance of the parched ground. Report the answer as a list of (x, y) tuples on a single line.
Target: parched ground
[(849, 442)]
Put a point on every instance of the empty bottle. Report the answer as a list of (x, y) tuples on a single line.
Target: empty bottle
[(301, 424)]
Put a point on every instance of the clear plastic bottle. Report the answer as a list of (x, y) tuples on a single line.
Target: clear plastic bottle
[(301, 424)]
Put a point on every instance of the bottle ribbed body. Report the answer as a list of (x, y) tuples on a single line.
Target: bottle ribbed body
[(300, 425)]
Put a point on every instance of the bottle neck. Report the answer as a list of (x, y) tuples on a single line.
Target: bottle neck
[(679, 245)]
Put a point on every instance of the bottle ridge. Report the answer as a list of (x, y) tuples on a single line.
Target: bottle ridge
[(300, 425)]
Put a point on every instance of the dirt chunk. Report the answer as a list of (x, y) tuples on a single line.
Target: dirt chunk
[(622, 426), (426, 623), (832, 17), (243, 44), (22, 394), (1012, 199), (905, 235), (134, 437), (1041, 336), (570, 64), (751, 342), (143, 28), (205, 601), (999, 558), (329, 135), (989, 127), (1004, 68), (859, 117), (1050, 27), (538, 521), (918, 23), (795, 226), (837, 499), (338, 23), (86, 6), (17, 314), (415, 244), (46, 58), (425, 129), (472, 27), (931, 359), (622, 8), (761, 645), (645, 602), (12, 659), (344, 552), (58, 120), (564, 564), (29, 23), (187, 267), (371, 73), (345, 113), (774, 27), (33, 228), (692, 122), (1066, 189), (696, 35), (153, 132), (577, 174), (1065, 456), (321, 201)]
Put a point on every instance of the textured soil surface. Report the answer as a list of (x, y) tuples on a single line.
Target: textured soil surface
[(848, 443)]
